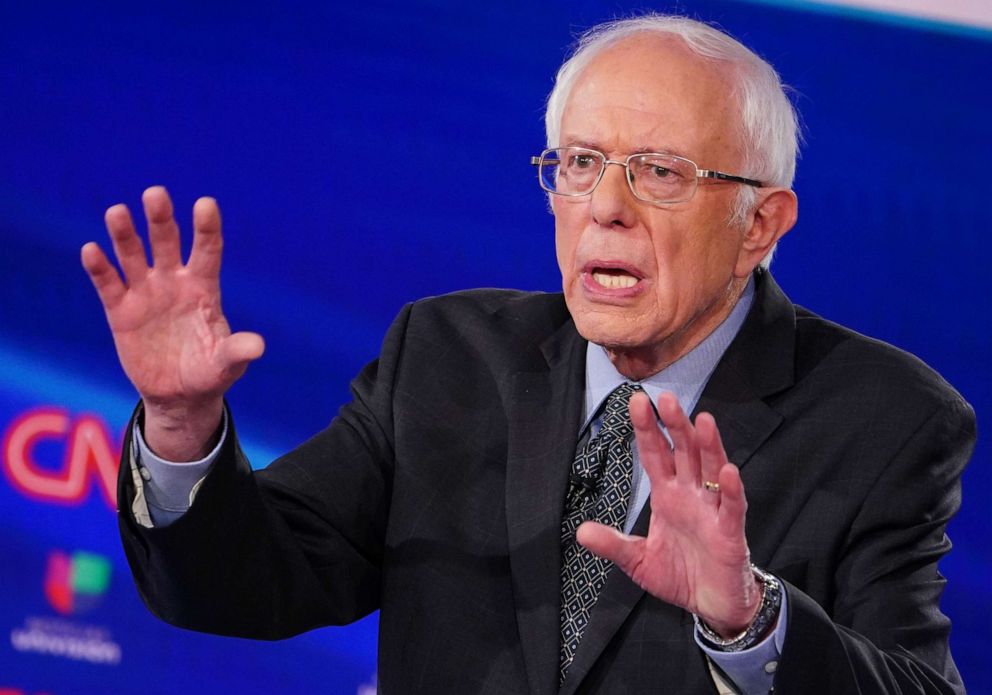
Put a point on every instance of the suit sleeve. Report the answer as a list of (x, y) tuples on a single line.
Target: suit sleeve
[(272, 553), (884, 631)]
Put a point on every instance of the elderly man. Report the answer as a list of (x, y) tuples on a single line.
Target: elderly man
[(482, 489)]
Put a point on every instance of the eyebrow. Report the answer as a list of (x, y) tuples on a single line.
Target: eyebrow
[(593, 145)]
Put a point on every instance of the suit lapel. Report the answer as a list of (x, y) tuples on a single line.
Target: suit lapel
[(544, 403), (757, 363)]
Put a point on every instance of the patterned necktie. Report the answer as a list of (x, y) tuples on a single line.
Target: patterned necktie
[(599, 490)]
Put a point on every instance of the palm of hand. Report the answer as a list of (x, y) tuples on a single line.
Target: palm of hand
[(168, 329), (688, 558), (171, 335)]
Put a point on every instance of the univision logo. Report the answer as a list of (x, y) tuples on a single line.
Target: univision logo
[(75, 583)]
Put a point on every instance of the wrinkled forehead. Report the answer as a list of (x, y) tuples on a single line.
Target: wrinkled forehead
[(651, 92)]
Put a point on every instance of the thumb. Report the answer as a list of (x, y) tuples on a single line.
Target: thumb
[(623, 550), (237, 350)]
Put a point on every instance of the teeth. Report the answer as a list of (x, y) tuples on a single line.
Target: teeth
[(615, 282)]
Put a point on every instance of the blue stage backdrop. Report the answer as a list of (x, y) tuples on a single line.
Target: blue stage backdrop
[(343, 142)]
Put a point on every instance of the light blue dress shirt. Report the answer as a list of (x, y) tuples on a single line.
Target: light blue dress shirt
[(169, 487)]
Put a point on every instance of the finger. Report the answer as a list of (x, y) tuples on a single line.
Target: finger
[(163, 232), (711, 454), (626, 552), (237, 350), (683, 436), (652, 447), (109, 286), (733, 504), (204, 259), (128, 248)]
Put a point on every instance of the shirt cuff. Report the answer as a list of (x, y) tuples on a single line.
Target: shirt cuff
[(166, 489), (753, 670)]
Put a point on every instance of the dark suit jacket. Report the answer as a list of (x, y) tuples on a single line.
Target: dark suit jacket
[(436, 496)]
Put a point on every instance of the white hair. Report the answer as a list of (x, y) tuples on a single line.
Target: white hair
[(768, 124)]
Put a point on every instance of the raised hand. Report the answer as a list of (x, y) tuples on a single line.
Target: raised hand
[(695, 554), (171, 335)]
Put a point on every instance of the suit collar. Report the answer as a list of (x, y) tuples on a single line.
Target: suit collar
[(763, 353), (759, 363)]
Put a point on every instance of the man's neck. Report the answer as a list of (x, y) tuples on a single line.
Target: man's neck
[(641, 362)]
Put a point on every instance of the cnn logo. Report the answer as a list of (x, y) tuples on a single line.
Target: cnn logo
[(90, 458)]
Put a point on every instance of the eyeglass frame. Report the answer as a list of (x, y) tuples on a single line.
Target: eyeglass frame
[(539, 161)]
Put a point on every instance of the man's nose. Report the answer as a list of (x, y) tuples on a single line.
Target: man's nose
[(612, 203)]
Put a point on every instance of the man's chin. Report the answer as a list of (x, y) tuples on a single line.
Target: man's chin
[(612, 332)]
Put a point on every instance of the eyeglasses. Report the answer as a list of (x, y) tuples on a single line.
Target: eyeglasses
[(653, 177)]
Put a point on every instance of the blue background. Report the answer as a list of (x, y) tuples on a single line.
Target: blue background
[(342, 141)]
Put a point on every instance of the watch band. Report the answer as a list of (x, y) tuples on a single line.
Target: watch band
[(771, 604)]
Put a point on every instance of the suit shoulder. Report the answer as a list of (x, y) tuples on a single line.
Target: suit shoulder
[(825, 349), (471, 340), (502, 309)]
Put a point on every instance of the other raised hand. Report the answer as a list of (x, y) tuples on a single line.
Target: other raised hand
[(168, 326)]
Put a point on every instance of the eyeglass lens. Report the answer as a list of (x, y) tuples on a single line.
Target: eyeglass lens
[(576, 171)]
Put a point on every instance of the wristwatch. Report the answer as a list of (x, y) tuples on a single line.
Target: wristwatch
[(771, 603)]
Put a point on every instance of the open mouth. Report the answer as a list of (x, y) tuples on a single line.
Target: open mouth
[(611, 276), (614, 279)]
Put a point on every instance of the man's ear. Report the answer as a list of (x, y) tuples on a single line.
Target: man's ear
[(775, 214)]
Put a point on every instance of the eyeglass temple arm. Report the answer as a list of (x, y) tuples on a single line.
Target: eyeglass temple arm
[(536, 161), (719, 175)]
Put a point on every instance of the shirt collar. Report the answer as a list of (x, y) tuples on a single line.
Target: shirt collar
[(686, 377)]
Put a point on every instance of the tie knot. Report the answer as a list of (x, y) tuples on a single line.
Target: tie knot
[(616, 413)]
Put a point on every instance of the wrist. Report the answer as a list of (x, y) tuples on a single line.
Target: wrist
[(765, 618), (181, 432)]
